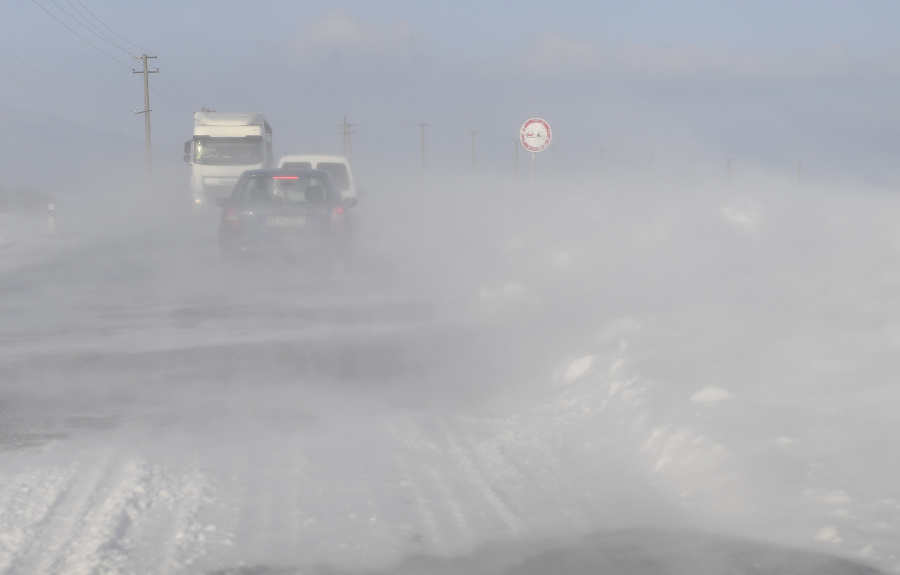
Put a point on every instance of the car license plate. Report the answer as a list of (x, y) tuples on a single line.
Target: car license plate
[(285, 221)]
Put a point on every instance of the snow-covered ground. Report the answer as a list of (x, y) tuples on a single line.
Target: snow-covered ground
[(505, 364)]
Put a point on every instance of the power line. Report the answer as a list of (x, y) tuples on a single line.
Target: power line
[(169, 99), (110, 29), (188, 98), (51, 100), (96, 31), (66, 26), (176, 94), (57, 84), (156, 92), (85, 18)]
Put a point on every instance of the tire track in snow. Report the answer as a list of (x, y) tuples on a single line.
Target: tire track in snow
[(102, 514), (47, 543), (474, 473), (29, 501), (166, 534), (248, 491), (413, 485), (99, 541), (429, 483), (463, 536)]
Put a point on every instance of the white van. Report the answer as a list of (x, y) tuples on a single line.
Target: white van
[(337, 166)]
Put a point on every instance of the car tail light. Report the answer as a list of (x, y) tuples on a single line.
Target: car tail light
[(338, 217), (231, 219)]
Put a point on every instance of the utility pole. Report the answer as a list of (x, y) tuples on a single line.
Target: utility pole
[(422, 126), (146, 110), (346, 132)]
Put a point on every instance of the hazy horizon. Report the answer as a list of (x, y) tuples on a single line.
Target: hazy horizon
[(768, 84)]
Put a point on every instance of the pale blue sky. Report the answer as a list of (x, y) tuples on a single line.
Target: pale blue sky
[(764, 79)]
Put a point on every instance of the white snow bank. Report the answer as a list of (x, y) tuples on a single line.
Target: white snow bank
[(618, 328), (745, 218), (709, 396), (509, 290), (578, 368)]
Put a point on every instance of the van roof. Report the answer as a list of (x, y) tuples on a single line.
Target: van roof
[(314, 158)]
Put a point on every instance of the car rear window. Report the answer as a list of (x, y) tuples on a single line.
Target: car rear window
[(285, 188)]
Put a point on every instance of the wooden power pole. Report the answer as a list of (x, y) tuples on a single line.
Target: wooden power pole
[(146, 110)]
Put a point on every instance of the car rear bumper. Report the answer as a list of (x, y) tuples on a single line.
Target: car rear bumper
[(327, 247)]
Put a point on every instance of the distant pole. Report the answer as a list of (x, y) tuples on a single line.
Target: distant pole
[(347, 143), (472, 134), (799, 172), (600, 163), (422, 126), (532, 165), (146, 110)]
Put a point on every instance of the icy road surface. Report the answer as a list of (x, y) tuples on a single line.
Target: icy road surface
[(529, 381)]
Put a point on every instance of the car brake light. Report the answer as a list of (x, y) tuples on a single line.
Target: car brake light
[(231, 219), (338, 217)]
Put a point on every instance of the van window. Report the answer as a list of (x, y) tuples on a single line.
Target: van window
[(338, 173), (297, 166)]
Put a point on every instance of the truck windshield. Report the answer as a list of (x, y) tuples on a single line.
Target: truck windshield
[(228, 151)]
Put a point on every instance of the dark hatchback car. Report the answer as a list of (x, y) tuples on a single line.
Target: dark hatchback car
[(286, 212)]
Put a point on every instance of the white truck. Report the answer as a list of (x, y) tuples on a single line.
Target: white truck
[(224, 145)]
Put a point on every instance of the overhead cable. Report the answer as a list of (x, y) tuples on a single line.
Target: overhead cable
[(94, 16), (173, 100), (66, 26), (175, 92), (57, 84), (89, 25), (188, 97), (157, 91), (51, 100)]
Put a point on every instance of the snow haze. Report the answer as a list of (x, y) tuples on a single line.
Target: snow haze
[(674, 355)]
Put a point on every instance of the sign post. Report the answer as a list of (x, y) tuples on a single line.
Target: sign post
[(535, 137)]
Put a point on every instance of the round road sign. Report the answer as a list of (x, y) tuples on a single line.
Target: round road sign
[(535, 135)]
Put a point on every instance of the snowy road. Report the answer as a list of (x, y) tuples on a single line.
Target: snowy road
[(537, 379)]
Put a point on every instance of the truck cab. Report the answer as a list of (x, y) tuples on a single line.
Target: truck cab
[(224, 145)]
